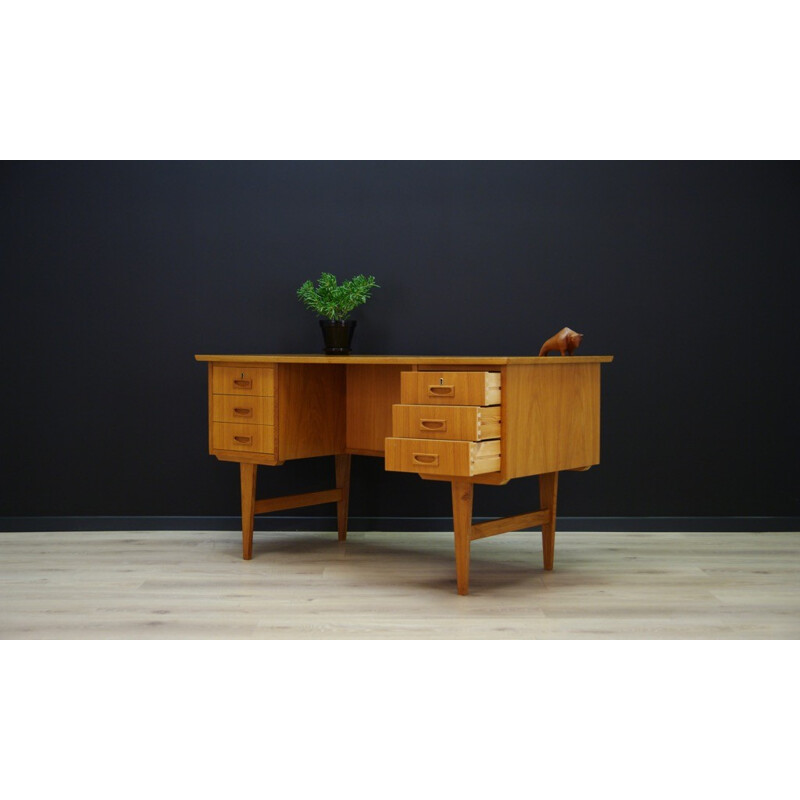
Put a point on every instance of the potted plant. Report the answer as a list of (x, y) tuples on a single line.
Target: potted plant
[(334, 302)]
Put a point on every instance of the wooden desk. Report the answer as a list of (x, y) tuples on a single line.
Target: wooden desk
[(464, 420)]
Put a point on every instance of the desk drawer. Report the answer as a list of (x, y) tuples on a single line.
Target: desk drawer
[(450, 388), (232, 408), (470, 423), (258, 381), (243, 437), (442, 457)]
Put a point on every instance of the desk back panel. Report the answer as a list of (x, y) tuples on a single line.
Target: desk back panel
[(372, 390), (311, 410)]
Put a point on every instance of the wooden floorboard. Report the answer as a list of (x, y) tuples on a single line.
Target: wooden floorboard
[(195, 585)]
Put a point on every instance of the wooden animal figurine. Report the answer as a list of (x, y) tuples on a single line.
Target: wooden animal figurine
[(566, 341)]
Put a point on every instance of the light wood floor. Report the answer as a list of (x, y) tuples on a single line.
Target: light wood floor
[(194, 585)]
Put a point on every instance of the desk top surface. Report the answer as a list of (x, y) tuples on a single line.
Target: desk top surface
[(426, 360)]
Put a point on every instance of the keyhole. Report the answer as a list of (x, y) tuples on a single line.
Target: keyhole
[(243, 376), (441, 381)]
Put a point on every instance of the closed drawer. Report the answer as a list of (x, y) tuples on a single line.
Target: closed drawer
[(243, 437), (450, 388), (243, 380), (233, 408), (471, 423), (442, 457)]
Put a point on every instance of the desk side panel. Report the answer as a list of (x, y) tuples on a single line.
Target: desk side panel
[(210, 409), (551, 418), (311, 410)]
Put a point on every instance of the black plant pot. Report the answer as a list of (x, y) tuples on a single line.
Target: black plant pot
[(338, 336)]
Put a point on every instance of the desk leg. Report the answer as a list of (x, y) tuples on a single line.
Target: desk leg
[(247, 473), (343, 483), (548, 496), (462, 528)]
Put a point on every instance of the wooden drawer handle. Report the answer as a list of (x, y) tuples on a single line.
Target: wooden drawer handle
[(244, 439), (427, 459), (243, 384), (243, 412), (441, 391), (433, 425)]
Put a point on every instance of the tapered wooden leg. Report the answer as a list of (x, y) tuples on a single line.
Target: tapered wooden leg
[(247, 474), (548, 496), (343, 483), (462, 525)]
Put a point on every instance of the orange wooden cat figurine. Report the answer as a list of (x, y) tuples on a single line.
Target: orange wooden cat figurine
[(566, 341)]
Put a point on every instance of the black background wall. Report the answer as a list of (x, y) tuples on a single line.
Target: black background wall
[(116, 274)]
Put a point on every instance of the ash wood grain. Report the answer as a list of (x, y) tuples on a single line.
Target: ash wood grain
[(311, 410), (233, 408), (240, 436), (297, 501), (489, 479), (505, 524), (342, 468), (468, 365), (546, 420), (470, 423), (411, 361), (432, 456), (372, 390), (548, 499), (551, 418), (209, 406), (247, 483), (243, 379), (266, 459), (450, 388), (462, 496)]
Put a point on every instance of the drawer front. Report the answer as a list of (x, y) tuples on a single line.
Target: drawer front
[(232, 408), (258, 381), (450, 388), (470, 423), (243, 437), (442, 457)]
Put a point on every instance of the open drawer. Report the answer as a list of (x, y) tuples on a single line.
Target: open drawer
[(472, 423), (450, 388), (437, 457)]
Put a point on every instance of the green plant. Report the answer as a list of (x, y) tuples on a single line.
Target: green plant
[(334, 301)]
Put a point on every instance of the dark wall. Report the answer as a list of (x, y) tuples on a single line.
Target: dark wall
[(115, 274)]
